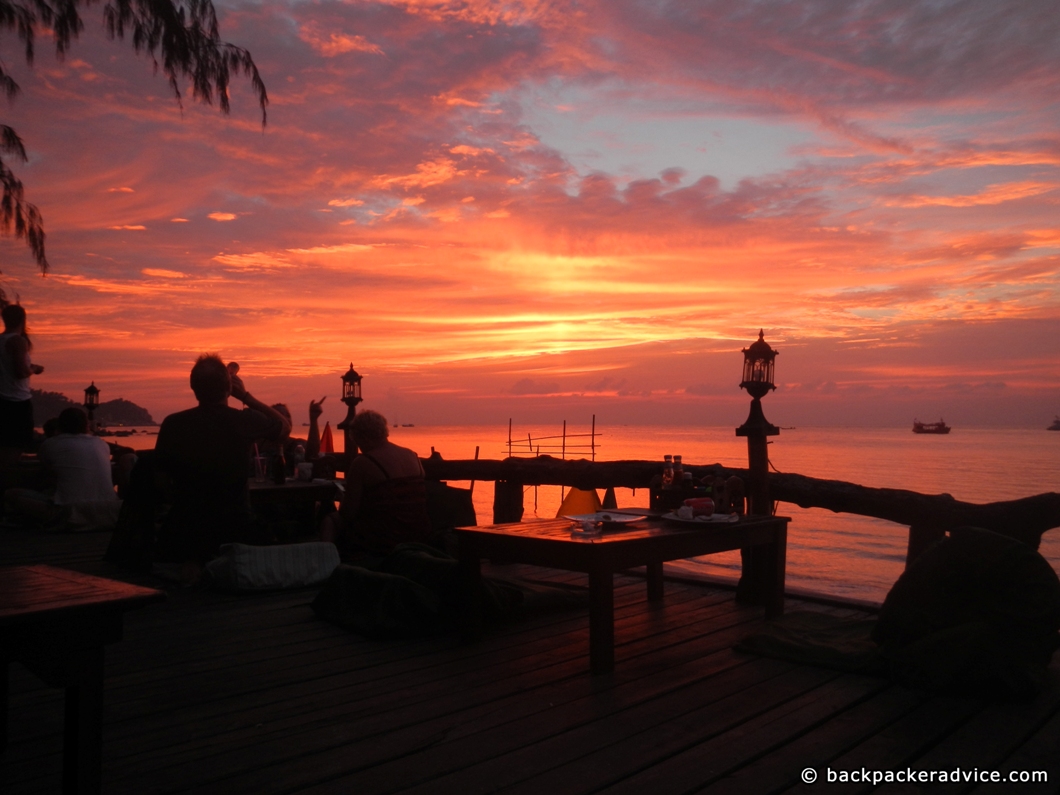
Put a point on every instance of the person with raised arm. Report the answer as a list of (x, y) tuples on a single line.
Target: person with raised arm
[(205, 450), (312, 445)]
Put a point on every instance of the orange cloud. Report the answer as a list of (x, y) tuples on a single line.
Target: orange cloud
[(330, 44), (994, 194), (427, 174)]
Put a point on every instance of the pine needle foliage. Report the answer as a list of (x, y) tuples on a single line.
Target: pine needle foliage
[(181, 37)]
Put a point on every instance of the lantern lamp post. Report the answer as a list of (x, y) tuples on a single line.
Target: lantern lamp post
[(91, 404), (758, 381), (351, 396)]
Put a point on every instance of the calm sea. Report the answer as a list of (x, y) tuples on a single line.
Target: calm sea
[(838, 554)]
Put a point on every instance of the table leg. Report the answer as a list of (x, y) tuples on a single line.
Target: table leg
[(83, 729), (655, 581), (3, 704), (774, 581), (470, 596), (601, 622)]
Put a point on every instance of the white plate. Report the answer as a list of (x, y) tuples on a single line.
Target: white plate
[(716, 518), (604, 516)]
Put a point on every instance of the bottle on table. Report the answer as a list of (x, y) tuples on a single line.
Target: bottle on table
[(279, 469), (668, 472), (679, 470)]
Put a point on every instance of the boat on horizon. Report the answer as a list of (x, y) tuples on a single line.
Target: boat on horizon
[(930, 427), (1056, 424)]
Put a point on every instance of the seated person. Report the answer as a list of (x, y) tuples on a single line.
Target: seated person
[(205, 451), (287, 444), (79, 463), (385, 503)]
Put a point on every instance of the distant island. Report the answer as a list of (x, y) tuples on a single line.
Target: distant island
[(113, 412)]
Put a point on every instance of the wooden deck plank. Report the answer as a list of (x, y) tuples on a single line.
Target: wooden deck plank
[(838, 733), (470, 738), (338, 696), (532, 672), (214, 692), (645, 731), (991, 736), (895, 746), (1037, 754), (276, 656), (682, 755)]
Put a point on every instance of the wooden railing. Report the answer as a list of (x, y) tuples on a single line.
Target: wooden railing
[(928, 516)]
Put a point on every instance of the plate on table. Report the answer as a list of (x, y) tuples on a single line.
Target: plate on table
[(605, 517), (715, 518)]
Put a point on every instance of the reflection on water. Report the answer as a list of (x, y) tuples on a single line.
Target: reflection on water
[(840, 554)]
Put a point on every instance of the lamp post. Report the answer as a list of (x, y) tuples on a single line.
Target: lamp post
[(91, 403), (351, 396), (758, 381)]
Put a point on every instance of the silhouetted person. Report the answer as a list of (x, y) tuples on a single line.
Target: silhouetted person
[(206, 451), (287, 444), (16, 410), (386, 497), (79, 464), (312, 446)]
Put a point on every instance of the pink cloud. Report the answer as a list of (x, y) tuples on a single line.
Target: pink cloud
[(463, 255)]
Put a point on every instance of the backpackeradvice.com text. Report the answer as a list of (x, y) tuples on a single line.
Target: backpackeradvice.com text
[(910, 776)]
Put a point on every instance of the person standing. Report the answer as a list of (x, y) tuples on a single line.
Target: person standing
[(16, 409)]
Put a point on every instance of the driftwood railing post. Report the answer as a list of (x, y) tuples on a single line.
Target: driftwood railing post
[(757, 564), (507, 501)]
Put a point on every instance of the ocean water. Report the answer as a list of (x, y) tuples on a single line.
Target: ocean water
[(839, 554)]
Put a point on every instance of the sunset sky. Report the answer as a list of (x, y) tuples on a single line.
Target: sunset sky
[(547, 209)]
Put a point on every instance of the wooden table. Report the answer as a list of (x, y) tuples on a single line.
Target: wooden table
[(293, 509), (291, 492), (56, 623), (646, 543)]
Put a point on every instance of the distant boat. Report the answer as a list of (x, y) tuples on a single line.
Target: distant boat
[(407, 425), (930, 427), (1056, 424)]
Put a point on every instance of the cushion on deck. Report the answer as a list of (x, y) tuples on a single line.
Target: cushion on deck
[(84, 517), (977, 611), (242, 567)]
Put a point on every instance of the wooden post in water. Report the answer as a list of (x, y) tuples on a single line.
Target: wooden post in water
[(507, 502)]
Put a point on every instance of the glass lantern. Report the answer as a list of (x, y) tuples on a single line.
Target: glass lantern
[(91, 396), (351, 386), (758, 368)]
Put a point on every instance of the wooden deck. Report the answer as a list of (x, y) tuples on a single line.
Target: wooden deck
[(213, 693)]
